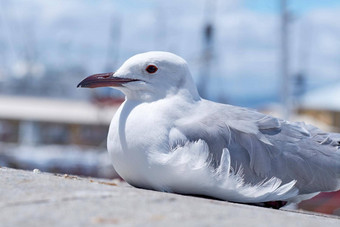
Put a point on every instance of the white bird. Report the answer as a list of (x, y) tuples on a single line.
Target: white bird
[(166, 137)]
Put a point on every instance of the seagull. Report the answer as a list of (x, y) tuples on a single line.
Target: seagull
[(165, 137)]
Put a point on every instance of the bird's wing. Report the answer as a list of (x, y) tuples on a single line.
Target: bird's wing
[(186, 170), (264, 146)]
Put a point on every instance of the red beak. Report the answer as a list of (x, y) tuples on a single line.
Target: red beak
[(104, 80)]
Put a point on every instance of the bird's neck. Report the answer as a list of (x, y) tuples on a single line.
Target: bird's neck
[(147, 97)]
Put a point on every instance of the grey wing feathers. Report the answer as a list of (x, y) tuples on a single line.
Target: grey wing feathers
[(311, 156), (268, 147)]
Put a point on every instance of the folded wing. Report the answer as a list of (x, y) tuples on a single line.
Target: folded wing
[(264, 147)]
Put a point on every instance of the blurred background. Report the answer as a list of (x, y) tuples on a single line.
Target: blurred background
[(279, 56)]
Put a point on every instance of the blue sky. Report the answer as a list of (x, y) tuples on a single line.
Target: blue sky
[(298, 6), (79, 33)]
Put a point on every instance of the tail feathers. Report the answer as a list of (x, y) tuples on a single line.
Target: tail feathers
[(322, 137), (331, 139), (336, 138)]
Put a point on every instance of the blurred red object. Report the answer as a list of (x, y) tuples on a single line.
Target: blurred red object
[(108, 101), (326, 203)]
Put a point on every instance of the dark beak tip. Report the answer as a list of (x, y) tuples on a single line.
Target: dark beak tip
[(80, 85)]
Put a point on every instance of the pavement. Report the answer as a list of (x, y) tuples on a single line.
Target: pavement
[(33, 198)]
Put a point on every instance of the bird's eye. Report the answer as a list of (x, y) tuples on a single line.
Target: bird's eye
[(151, 69)]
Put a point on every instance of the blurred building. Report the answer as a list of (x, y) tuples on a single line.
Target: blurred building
[(323, 105), (33, 120), (49, 133)]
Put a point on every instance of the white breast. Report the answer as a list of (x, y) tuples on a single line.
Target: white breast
[(135, 132)]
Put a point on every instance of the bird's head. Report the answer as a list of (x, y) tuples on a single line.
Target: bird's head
[(148, 77)]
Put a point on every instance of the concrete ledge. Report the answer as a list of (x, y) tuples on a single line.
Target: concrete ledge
[(42, 199)]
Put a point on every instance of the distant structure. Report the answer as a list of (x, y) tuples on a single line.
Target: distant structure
[(286, 90), (300, 78), (323, 105), (208, 48), (38, 121), (112, 57), (113, 45), (299, 86)]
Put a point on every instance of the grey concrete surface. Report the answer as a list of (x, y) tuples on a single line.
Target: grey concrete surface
[(32, 198)]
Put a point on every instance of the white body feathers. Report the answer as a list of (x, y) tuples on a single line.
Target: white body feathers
[(165, 137)]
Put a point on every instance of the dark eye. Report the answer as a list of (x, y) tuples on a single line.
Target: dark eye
[(151, 69)]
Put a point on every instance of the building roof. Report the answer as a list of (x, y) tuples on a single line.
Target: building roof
[(326, 98), (55, 110)]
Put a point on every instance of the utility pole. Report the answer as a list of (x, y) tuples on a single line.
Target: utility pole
[(286, 93), (207, 54), (300, 78), (112, 55), (114, 41)]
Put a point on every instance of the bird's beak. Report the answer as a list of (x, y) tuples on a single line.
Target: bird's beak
[(104, 80)]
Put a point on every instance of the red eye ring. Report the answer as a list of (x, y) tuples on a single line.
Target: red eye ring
[(151, 69)]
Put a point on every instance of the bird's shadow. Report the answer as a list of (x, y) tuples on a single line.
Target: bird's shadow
[(269, 204)]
